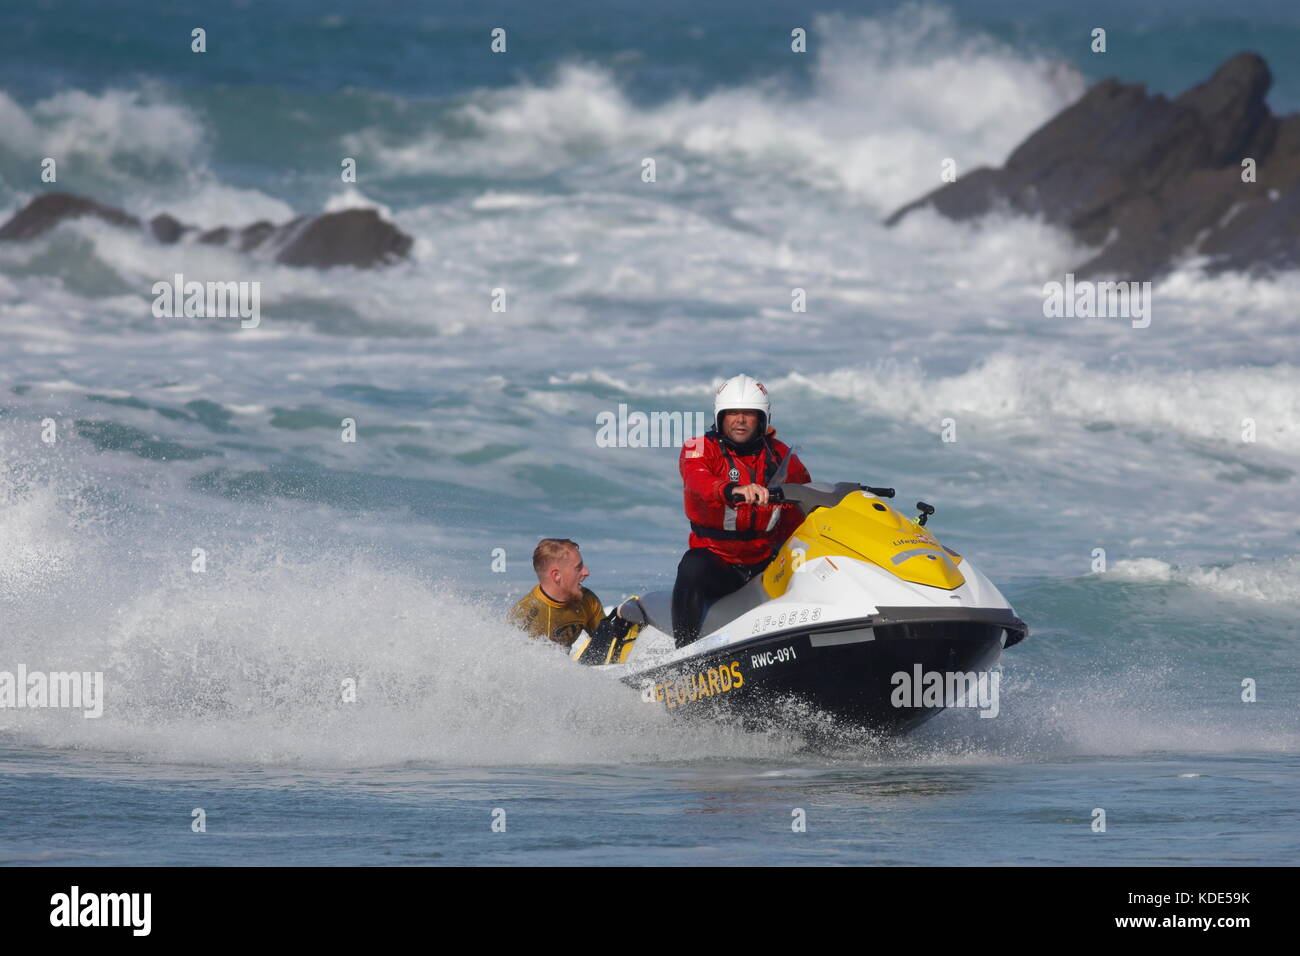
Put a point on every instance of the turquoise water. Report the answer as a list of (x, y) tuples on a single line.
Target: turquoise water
[(373, 561), (1163, 810)]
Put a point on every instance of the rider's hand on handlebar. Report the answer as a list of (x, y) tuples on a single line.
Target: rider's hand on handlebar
[(752, 494)]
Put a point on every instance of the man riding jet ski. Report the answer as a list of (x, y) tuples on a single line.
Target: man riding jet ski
[(860, 619), (735, 530), (800, 601)]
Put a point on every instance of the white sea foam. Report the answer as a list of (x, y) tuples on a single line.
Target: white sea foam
[(256, 660), (1275, 582), (350, 197), (1029, 392), (37, 538), (892, 97), (209, 204), (1019, 391), (101, 129), (494, 200)]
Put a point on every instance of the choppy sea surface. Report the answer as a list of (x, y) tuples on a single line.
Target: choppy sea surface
[(374, 560)]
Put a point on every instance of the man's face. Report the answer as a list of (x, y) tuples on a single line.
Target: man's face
[(567, 575), (740, 425)]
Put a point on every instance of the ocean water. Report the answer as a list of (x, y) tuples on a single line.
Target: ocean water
[(374, 561)]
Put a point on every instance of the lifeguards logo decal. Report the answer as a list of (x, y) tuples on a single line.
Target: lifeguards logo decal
[(689, 688)]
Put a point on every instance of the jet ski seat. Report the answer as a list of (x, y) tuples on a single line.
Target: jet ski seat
[(659, 610), (741, 601), (659, 607)]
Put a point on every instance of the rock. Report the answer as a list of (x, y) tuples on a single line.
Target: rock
[(250, 237), (166, 228), (1232, 110), (49, 209), (1146, 180), (1260, 237), (354, 237)]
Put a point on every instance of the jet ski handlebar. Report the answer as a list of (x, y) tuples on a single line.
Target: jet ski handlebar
[(775, 496), (810, 494)]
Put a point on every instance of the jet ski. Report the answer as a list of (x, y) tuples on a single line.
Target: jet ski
[(858, 617)]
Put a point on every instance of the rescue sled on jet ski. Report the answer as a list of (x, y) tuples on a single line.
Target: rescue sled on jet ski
[(858, 595)]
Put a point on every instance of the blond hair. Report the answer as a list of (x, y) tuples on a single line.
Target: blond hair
[(549, 551)]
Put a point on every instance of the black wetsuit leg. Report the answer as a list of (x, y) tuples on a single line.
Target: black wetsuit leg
[(702, 579)]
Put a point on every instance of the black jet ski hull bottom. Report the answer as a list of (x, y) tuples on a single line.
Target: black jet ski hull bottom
[(843, 673)]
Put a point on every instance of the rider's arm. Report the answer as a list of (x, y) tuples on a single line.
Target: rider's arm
[(698, 472)]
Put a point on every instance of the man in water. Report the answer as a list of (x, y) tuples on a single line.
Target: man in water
[(725, 475), (560, 608)]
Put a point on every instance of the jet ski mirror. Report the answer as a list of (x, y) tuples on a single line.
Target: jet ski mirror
[(926, 511)]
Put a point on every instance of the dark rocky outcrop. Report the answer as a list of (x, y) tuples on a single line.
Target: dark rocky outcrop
[(45, 212), (1145, 180), (250, 237), (167, 228), (353, 237)]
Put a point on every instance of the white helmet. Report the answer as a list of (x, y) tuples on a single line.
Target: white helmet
[(742, 392)]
